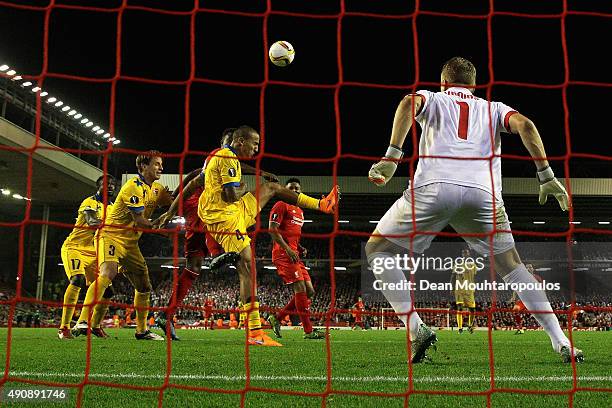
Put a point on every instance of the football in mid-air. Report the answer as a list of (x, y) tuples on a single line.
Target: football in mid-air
[(281, 53)]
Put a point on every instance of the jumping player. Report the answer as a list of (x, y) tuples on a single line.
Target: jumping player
[(463, 193), (227, 213)]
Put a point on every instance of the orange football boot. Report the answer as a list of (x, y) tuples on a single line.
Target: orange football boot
[(328, 203)]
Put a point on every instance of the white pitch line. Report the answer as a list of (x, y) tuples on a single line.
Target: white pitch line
[(232, 378)]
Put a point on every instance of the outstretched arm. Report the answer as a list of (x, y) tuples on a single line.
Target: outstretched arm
[(195, 173), (188, 191), (408, 108), (549, 185)]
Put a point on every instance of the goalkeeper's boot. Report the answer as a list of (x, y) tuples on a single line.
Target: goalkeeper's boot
[(80, 328), (328, 203), (64, 334), (276, 326), (314, 335), (99, 332), (173, 335), (471, 329), (148, 335), (425, 338), (461, 331), (566, 354), (520, 331), (226, 258)]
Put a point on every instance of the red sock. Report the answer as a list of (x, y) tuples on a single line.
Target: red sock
[(302, 304), (213, 246), (287, 310), (185, 281)]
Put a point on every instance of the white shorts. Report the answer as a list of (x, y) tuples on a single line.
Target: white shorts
[(468, 210)]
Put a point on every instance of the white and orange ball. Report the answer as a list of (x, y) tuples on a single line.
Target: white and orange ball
[(281, 53)]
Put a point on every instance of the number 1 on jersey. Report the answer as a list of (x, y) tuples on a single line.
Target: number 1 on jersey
[(464, 120)]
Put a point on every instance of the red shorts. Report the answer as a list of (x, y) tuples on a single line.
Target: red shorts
[(519, 306), (198, 242), (207, 313), (291, 272)]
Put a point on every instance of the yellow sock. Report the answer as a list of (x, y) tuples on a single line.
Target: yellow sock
[(71, 296), (98, 313), (242, 316), (460, 320), (253, 316), (94, 294), (141, 304), (470, 318), (305, 201)]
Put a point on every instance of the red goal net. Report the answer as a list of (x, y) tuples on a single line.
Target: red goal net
[(339, 18)]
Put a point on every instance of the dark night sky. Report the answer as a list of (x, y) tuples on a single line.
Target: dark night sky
[(300, 122)]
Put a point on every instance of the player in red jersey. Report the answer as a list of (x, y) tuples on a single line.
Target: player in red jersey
[(286, 222), (358, 309), (519, 307), (209, 305), (198, 242)]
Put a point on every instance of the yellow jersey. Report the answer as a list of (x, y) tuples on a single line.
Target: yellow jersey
[(135, 196), (80, 236), (221, 169), (468, 275)]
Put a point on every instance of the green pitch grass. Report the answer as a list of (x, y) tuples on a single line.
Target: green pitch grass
[(362, 361)]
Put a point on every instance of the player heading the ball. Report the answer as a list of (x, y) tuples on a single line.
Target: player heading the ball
[(227, 213)]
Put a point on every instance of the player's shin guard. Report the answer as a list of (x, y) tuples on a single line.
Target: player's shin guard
[(99, 312), (71, 296), (94, 294), (287, 310), (141, 304), (302, 304), (101, 308), (253, 318), (537, 300), (400, 299)]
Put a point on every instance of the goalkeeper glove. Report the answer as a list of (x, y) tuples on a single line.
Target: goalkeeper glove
[(549, 185), (381, 172)]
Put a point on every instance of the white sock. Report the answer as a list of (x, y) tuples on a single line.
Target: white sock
[(400, 300), (537, 300)]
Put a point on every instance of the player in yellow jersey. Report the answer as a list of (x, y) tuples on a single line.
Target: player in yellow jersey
[(117, 243), (464, 273), (227, 213), (79, 257)]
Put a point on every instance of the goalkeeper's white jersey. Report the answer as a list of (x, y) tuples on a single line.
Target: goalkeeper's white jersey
[(456, 124)]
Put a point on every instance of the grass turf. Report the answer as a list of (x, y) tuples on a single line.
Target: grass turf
[(361, 361)]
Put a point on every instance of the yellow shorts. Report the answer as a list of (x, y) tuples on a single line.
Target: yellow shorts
[(79, 261), (127, 255), (465, 297), (231, 234)]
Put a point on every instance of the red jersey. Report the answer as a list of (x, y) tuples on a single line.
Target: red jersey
[(209, 304), (190, 205), (290, 220)]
